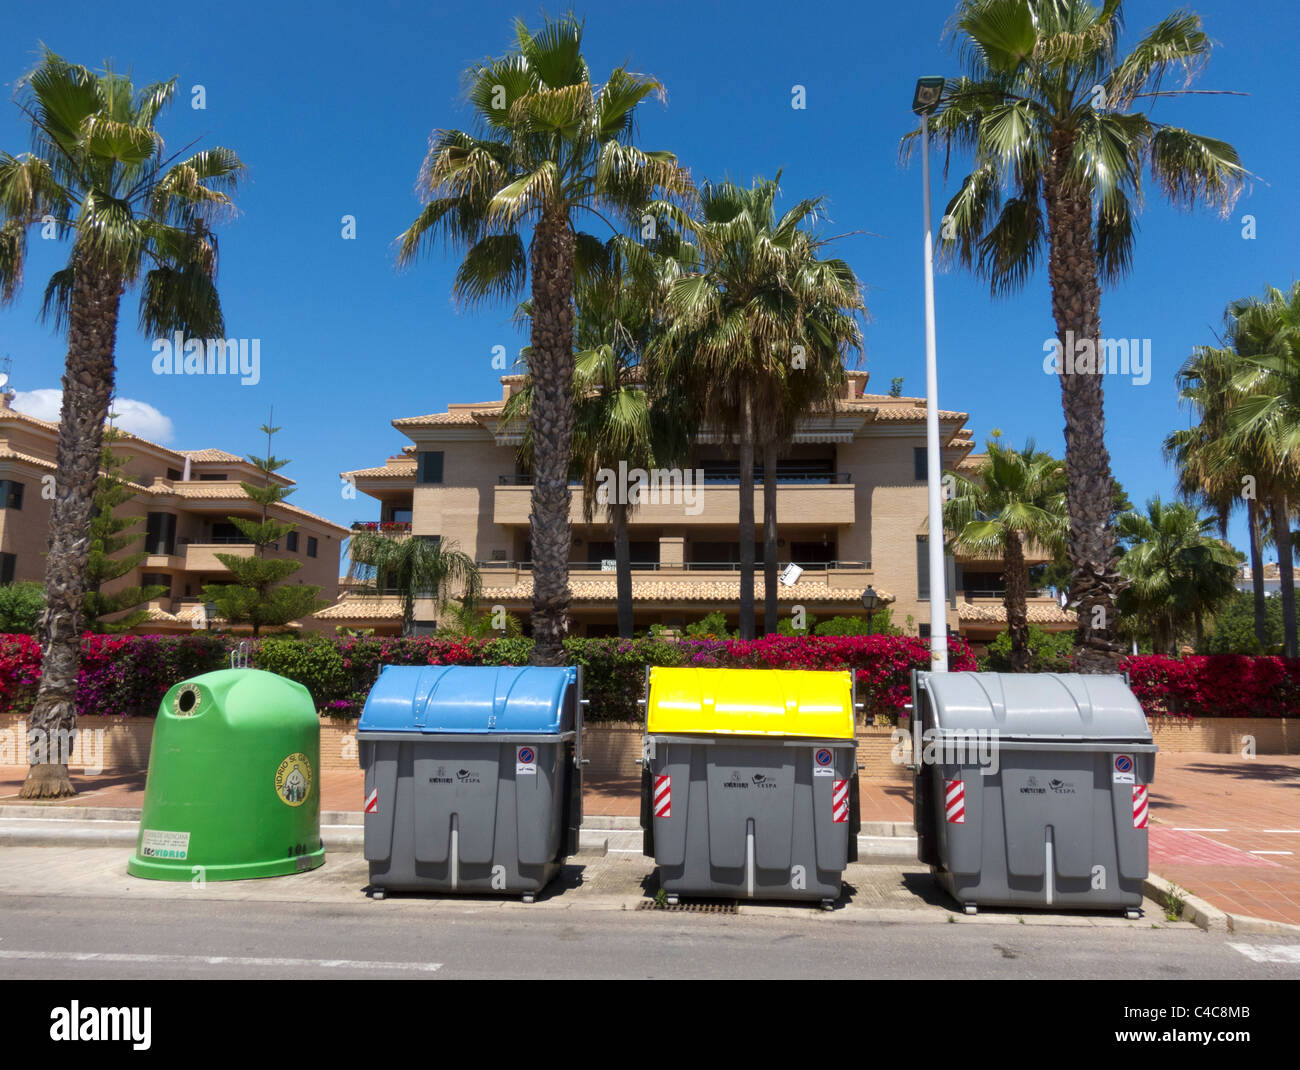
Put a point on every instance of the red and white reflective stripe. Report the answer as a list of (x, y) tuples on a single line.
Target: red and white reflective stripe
[(1139, 806), (955, 801), (663, 796), (839, 801), (372, 801)]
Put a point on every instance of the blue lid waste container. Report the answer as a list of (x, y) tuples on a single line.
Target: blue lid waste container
[(473, 777), (1030, 789)]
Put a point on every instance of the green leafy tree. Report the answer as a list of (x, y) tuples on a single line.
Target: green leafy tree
[(1232, 631), (551, 145), (1057, 120), (132, 216), (258, 597), (463, 618), (108, 538)]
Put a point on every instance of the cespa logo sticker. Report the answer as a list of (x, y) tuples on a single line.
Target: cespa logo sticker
[(293, 780)]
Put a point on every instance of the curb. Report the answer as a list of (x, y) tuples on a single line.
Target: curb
[(1209, 917)]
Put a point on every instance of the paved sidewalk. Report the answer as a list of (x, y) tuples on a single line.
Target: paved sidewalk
[(1223, 827)]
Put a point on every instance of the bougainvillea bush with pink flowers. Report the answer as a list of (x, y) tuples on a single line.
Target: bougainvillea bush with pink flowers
[(128, 674)]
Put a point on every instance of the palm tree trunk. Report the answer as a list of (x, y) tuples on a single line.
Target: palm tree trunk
[(1257, 570), (551, 419), (623, 563), (1286, 573), (770, 612), (87, 388), (746, 512), (1076, 308), (1015, 600)]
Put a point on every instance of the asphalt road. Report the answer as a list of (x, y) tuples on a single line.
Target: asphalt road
[(88, 937)]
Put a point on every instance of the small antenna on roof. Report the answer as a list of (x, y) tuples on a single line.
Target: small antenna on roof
[(6, 366)]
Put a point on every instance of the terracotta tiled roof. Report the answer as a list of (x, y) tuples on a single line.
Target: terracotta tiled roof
[(461, 417), (352, 608), (14, 455), (992, 613), (203, 456), (403, 469), (24, 418), (215, 490), (606, 590)]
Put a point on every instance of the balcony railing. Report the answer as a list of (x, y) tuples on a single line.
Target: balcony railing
[(656, 566), (785, 475)]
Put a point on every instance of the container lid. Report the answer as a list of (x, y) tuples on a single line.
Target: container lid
[(752, 702), (1035, 705), (470, 699)]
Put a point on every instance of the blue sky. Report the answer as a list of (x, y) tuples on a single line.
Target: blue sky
[(331, 107)]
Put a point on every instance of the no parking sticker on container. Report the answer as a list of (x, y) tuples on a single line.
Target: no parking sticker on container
[(1123, 772), (525, 762), (823, 762)]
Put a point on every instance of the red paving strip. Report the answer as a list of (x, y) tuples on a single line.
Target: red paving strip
[(1189, 848)]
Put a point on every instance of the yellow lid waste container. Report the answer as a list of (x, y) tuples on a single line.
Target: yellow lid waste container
[(749, 782)]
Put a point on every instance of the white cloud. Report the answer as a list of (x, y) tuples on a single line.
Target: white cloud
[(138, 417)]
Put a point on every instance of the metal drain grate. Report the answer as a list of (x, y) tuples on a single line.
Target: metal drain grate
[(690, 908)]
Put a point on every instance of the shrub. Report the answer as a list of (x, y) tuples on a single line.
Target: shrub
[(1233, 629), (710, 626), (1048, 652), (20, 607), (881, 624), (313, 661)]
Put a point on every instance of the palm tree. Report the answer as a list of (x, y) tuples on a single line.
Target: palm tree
[(1211, 475), (1177, 574), (551, 144), (99, 172), (618, 305), (1263, 420), (1014, 501), (416, 566), (463, 618), (1051, 110), (757, 331)]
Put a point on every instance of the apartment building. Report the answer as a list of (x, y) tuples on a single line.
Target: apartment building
[(184, 499), (851, 513)]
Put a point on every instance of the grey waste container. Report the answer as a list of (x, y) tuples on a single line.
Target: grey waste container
[(1031, 789), (749, 782), (473, 777)]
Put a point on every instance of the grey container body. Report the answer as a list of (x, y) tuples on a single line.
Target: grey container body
[(749, 819), (1043, 813), (461, 820)]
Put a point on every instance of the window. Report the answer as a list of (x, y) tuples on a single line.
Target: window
[(424, 627), (157, 579), (213, 477), (291, 542), (399, 516), (160, 533), (920, 463), (7, 563), (173, 473), (429, 467), (11, 494), (311, 545), (923, 572)]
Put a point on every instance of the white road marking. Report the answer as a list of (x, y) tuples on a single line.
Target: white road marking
[(216, 960), (625, 850), (1202, 830), (1270, 852), (1269, 952), (1284, 832)]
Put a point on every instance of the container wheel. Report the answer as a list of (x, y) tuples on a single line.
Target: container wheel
[(377, 893), (828, 904), (1132, 913), (529, 897), (970, 908), (671, 899)]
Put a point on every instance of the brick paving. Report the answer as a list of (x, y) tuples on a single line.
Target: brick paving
[(1223, 827)]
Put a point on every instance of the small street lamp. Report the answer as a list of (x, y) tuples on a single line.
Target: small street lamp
[(870, 602), (209, 614)]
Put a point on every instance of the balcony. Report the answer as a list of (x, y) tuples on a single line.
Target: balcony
[(714, 503), (202, 556), (382, 527)]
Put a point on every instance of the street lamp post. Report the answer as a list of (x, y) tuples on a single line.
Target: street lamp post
[(870, 602), (924, 103)]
